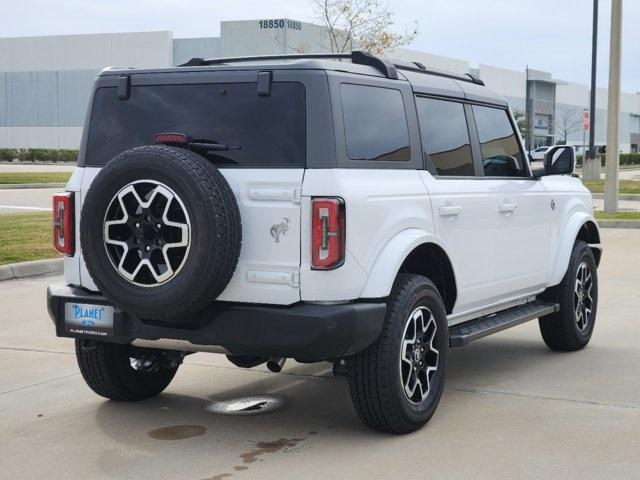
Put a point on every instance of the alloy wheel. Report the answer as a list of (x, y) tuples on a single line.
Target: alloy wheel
[(147, 233), (582, 299), (418, 355)]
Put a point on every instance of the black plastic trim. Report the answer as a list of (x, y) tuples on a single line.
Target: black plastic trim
[(305, 331), (124, 87), (264, 83), (357, 57), (463, 333)]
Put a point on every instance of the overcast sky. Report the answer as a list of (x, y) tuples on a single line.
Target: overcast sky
[(550, 35)]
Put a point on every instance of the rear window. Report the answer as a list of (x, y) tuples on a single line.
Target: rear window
[(270, 130), (375, 123)]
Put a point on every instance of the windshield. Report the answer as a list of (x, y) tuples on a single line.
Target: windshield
[(269, 130)]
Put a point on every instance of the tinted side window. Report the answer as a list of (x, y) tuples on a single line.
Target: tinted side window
[(445, 138), (501, 155), (375, 123)]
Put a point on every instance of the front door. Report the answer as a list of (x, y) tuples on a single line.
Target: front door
[(520, 204)]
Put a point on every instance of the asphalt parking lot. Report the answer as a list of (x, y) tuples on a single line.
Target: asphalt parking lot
[(511, 408), (27, 199)]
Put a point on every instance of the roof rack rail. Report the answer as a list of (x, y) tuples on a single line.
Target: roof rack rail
[(420, 68), (387, 67), (358, 57)]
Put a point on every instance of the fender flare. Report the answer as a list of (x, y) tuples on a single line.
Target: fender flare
[(390, 259), (565, 245)]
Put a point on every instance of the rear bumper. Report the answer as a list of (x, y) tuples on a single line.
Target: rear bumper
[(303, 331)]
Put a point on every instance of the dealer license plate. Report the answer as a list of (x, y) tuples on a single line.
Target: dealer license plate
[(88, 319)]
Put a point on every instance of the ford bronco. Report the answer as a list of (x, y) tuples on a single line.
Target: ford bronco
[(338, 208)]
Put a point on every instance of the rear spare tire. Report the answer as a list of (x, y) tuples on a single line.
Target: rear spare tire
[(160, 232)]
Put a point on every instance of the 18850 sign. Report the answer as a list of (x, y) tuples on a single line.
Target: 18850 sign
[(280, 23)]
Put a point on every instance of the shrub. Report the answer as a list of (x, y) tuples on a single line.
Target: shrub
[(8, 154), (38, 155), (625, 159), (630, 159)]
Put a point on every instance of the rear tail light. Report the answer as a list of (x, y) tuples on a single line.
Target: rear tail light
[(63, 223), (327, 233)]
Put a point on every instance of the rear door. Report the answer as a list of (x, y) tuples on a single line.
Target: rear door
[(463, 215), (265, 171)]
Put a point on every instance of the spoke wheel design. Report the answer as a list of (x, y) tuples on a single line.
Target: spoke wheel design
[(147, 233), (582, 297), (418, 355)]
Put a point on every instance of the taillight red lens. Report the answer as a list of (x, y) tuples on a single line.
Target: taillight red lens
[(327, 233), (63, 223)]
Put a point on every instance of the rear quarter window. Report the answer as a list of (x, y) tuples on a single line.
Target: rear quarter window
[(375, 123), (270, 130)]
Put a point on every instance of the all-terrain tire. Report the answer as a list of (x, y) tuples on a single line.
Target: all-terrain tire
[(107, 370), (214, 239), (562, 330), (376, 375)]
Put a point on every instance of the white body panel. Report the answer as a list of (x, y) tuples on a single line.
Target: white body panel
[(465, 221), (522, 215), (501, 254), (573, 208), (379, 205), (267, 271)]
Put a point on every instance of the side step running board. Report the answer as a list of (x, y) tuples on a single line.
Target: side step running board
[(460, 335)]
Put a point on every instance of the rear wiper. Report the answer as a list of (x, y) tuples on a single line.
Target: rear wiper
[(195, 143), (210, 145)]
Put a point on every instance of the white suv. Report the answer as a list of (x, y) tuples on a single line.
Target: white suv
[(337, 208)]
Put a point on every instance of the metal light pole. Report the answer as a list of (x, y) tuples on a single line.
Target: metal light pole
[(591, 164), (613, 111), (584, 134)]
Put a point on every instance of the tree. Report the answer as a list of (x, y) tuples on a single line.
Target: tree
[(521, 121), (568, 120), (362, 24)]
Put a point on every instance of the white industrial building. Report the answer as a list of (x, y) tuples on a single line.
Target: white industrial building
[(45, 82)]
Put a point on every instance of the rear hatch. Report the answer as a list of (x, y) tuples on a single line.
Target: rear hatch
[(265, 167)]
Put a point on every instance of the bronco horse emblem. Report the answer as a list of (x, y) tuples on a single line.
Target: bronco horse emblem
[(280, 229)]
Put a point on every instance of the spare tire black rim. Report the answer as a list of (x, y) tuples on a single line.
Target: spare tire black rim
[(147, 233)]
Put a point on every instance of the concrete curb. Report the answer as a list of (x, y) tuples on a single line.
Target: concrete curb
[(619, 223), (31, 269), (633, 197), (15, 186)]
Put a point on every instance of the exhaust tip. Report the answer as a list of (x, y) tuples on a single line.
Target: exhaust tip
[(275, 364)]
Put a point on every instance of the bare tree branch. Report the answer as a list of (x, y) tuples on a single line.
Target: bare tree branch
[(363, 24), (568, 121)]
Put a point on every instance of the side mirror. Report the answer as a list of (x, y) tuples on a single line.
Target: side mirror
[(560, 160)]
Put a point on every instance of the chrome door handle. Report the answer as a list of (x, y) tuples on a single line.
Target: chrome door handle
[(449, 210), (507, 207)]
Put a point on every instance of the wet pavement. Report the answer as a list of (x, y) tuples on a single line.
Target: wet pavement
[(511, 408)]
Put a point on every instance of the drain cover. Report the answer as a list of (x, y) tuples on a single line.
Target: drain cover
[(254, 405)]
